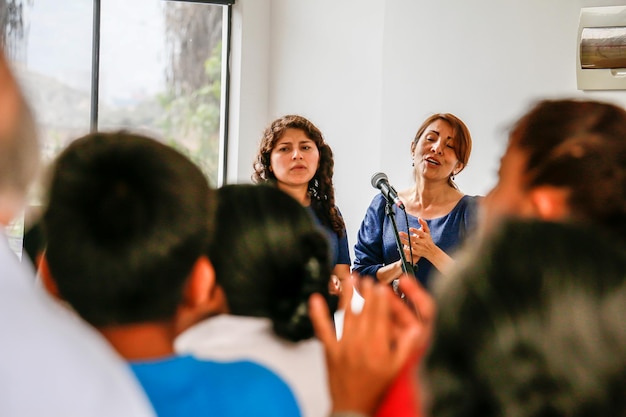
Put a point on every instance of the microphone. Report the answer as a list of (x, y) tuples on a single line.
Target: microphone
[(380, 181)]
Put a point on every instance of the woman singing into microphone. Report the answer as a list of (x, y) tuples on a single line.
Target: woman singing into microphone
[(440, 216)]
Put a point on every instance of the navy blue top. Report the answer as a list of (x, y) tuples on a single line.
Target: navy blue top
[(376, 243), (339, 250)]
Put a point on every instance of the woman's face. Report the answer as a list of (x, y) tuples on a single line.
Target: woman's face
[(294, 159), (433, 155)]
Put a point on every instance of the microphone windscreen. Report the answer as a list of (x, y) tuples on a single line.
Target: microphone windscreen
[(376, 178)]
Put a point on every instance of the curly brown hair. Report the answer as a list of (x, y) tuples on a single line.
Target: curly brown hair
[(321, 187)]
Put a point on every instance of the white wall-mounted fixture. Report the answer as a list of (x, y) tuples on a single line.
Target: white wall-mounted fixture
[(601, 54)]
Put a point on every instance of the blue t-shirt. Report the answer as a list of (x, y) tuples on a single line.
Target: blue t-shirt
[(376, 243), (340, 252), (186, 386)]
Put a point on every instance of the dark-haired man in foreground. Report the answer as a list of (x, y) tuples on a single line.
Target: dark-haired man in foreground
[(128, 224)]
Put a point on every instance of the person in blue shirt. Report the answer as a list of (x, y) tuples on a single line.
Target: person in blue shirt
[(293, 155), (128, 225), (439, 215)]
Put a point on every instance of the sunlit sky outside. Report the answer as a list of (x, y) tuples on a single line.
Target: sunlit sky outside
[(59, 45), (54, 64)]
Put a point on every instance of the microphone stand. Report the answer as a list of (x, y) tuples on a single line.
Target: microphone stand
[(407, 267)]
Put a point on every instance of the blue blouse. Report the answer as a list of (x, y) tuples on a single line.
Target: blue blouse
[(376, 242), (340, 252)]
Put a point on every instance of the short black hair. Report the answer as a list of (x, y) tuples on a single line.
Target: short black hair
[(269, 257), (126, 220), (532, 326)]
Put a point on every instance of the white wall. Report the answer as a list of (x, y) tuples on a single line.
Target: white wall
[(249, 89), (367, 72)]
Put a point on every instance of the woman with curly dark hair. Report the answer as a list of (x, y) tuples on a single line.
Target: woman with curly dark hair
[(294, 156)]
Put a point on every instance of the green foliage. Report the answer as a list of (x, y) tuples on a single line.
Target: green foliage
[(191, 122)]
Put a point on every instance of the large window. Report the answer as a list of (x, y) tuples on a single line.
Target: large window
[(152, 66)]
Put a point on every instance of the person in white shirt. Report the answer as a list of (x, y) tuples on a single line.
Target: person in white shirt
[(51, 362)]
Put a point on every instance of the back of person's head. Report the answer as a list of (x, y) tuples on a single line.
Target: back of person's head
[(127, 218), (533, 325), (269, 257), (578, 145), (19, 151)]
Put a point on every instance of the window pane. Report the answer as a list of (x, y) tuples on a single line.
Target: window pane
[(160, 72), (56, 69), (160, 69), (49, 45)]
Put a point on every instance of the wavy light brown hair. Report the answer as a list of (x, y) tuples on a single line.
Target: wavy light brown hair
[(462, 139), (321, 187)]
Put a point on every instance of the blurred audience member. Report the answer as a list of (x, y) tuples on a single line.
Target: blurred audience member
[(532, 326), (269, 257), (52, 363), (565, 161), (529, 324), (128, 225)]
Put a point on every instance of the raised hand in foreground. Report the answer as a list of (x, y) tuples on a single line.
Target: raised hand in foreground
[(375, 344)]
